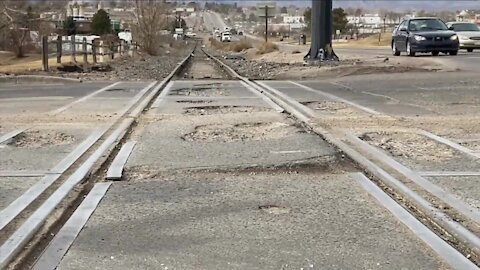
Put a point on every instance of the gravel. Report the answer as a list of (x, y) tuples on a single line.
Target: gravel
[(277, 66), (140, 67)]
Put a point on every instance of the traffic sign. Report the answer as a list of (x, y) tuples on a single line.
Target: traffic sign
[(266, 9)]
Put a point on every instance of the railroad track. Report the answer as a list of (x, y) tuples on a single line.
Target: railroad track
[(451, 230), (455, 222), (29, 223)]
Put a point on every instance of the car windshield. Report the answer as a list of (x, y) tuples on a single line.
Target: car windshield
[(463, 27), (426, 25)]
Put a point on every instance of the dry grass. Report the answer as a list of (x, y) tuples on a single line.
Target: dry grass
[(231, 46), (371, 41), (241, 46), (267, 47), (33, 63)]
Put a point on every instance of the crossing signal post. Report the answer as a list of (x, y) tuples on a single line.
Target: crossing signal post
[(322, 30)]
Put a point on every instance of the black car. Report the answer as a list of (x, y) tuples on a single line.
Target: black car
[(424, 35)]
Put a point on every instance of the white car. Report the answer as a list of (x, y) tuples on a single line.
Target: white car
[(468, 34), (226, 37)]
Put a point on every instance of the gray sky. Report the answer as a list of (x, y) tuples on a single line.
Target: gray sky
[(389, 4)]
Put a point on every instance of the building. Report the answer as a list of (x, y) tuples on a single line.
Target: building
[(370, 21), (184, 11), (293, 19), (468, 16)]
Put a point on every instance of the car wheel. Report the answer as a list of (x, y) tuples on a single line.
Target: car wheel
[(395, 51), (409, 49), (435, 53), (453, 52), (469, 50)]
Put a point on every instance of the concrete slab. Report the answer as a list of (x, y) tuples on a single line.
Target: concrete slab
[(375, 102), (12, 187), (465, 188), (42, 147), (421, 153), (239, 139), (245, 221), (425, 95), (25, 99), (108, 103), (49, 90), (294, 91)]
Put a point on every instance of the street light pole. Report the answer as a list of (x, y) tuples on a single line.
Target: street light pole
[(322, 27)]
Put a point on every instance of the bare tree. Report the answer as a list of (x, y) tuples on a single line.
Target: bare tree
[(17, 20), (151, 18)]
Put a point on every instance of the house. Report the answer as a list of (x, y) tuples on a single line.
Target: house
[(468, 16)]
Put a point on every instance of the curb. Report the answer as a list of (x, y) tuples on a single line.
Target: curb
[(17, 79)]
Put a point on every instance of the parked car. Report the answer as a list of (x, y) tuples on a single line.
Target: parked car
[(424, 35), (191, 34), (468, 34)]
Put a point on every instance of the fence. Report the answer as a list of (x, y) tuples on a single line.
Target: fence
[(101, 51)]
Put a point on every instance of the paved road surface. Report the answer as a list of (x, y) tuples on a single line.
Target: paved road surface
[(464, 61), (246, 219), (200, 191)]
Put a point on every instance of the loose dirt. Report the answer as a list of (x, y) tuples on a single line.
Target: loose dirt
[(202, 91), (194, 101), (330, 107), (409, 145), (240, 132), (209, 110), (37, 139)]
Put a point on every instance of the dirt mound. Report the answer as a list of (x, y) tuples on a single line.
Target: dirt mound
[(37, 139), (240, 132)]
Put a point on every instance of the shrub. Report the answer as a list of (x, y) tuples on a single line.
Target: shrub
[(267, 47), (240, 46)]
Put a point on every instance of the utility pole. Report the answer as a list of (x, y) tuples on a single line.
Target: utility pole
[(322, 28), (266, 23)]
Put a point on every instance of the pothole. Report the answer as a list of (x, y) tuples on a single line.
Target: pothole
[(208, 85), (37, 139), (240, 132), (194, 101), (209, 110), (274, 209), (329, 106), (201, 91), (118, 90), (409, 145)]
